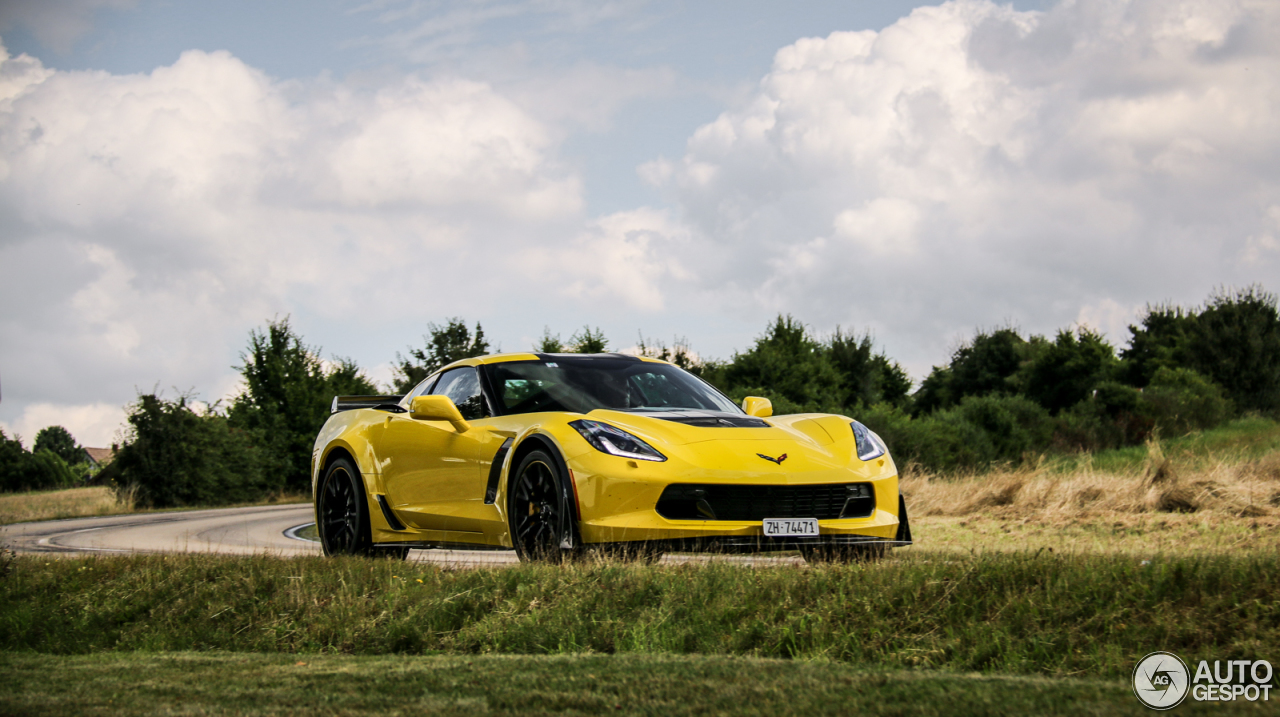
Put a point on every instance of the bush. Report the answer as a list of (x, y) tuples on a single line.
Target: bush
[(1180, 400), (22, 470), (175, 457), (1014, 426)]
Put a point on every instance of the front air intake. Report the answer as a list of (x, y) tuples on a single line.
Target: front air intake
[(828, 501)]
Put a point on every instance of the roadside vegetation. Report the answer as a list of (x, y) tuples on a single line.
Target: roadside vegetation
[(666, 685), (68, 503)]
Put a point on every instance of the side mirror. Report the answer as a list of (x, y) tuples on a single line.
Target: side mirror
[(437, 408), (758, 407)]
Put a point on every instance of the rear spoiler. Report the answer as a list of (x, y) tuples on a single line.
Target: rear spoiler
[(347, 403)]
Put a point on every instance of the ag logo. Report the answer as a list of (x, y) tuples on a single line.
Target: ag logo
[(1160, 680)]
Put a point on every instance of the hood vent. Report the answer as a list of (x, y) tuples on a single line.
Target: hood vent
[(717, 421)]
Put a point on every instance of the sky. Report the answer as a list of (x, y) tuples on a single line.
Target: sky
[(174, 174)]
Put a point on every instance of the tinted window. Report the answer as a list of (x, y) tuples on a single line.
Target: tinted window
[(462, 386), (424, 388), (583, 385)]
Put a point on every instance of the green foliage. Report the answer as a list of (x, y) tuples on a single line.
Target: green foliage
[(60, 442), (174, 456), (679, 354), (142, 684), (985, 365), (549, 343), (588, 341), (868, 377), (445, 344), (1066, 371), (21, 470), (1161, 340), (1180, 400), (287, 396), (1235, 342), (789, 367), (1021, 612)]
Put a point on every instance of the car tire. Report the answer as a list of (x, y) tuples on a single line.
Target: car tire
[(540, 511), (342, 511), (842, 553)]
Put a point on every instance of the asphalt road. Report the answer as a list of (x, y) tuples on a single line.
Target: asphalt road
[(243, 531), (269, 529)]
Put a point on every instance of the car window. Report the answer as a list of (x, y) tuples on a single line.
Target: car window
[(566, 384), (462, 386), (424, 388)]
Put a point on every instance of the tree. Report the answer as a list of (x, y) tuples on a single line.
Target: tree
[(1159, 341), (680, 353), (588, 341), (1066, 371), (788, 363), (868, 377), (1235, 341), (549, 343), (23, 470), (287, 396), (986, 365), (59, 441), (174, 456), (444, 345)]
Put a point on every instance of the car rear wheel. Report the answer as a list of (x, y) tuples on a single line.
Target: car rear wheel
[(342, 513), (540, 511)]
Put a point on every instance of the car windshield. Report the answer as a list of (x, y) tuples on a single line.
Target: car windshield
[(581, 385)]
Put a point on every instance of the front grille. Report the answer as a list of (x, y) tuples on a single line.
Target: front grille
[(827, 501)]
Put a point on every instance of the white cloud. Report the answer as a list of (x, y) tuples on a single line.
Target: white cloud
[(627, 256), (94, 425), (148, 221), (972, 164)]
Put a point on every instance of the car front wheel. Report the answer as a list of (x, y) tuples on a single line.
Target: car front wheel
[(342, 513), (540, 511)]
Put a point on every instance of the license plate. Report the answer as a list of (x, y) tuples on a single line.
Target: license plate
[(790, 527)]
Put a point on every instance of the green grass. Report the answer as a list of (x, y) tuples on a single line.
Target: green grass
[(666, 685), (1241, 440), (1030, 614)]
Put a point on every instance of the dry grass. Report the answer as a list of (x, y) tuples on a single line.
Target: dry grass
[(70, 503), (1162, 504)]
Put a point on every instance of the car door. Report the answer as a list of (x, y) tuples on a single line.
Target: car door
[(435, 478)]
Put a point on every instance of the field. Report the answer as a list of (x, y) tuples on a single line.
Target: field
[(55, 504), (1032, 589), (665, 685), (85, 503)]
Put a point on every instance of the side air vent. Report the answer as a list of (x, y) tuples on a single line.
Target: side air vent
[(392, 520)]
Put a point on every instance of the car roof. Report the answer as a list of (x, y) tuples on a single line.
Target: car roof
[(530, 356)]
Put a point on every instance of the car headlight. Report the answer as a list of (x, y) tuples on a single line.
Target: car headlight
[(869, 444), (615, 441)]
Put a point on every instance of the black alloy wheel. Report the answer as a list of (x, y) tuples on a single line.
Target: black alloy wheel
[(342, 513), (540, 513)]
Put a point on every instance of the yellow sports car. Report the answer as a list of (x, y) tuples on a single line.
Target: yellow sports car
[(554, 454)]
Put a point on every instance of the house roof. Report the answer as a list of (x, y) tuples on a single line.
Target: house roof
[(101, 456)]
